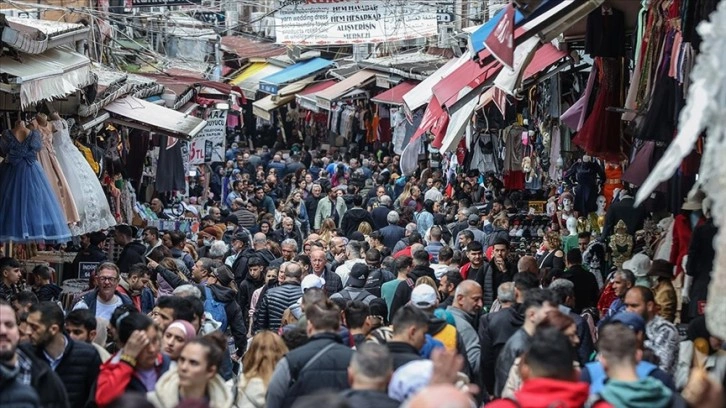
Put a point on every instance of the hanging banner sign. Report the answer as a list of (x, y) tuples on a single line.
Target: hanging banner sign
[(501, 41), (209, 145), (445, 11), (320, 22)]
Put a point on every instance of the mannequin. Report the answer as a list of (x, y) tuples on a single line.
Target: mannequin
[(566, 211), (54, 173), (551, 206), (596, 219), (570, 241), (621, 243), (699, 264), (29, 210), (587, 175), (613, 180), (583, 225)]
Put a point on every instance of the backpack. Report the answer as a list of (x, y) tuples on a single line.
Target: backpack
[(364, 296), (374, 282), (215, 308), (447, 336)]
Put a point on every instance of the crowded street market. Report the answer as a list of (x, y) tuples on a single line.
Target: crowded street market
[(362, 203)]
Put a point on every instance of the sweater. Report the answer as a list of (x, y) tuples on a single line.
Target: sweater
[(166, 392)]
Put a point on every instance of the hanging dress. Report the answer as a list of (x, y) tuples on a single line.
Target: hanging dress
[(29, 209), (93, 209), (56, 177)]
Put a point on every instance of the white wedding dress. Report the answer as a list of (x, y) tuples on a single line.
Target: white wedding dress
[(91, 201)]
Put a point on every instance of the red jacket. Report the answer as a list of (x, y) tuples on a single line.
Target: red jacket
[(115, 379), (546, 392)]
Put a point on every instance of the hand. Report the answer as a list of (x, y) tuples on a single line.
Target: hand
[(447, 364), (137, 342), (152, 264), (685, 298), (340, 258)]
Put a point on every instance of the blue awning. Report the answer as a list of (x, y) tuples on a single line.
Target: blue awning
[(271, 84), (476, 39)]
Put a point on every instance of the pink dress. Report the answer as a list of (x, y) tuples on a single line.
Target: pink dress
[(47, 159)]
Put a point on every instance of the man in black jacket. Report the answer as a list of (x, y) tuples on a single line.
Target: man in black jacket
[(90, 256), (404, 288), (369, 372), (625, 210), (333, 283), (253, 281), (31, 370), (495, 272), (270, 308), (77, 364), (410, 325), (320, 364), (355, 216), (586, 289), (132, 253)]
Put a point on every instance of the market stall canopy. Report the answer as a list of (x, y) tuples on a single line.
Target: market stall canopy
[(264, 107), (306, 97), (417, 66), (247, 48), (249, 79), (360, 79), (32, 36), (394, 96), (53, 74), (137, 113), (421, 94), (272, 83)]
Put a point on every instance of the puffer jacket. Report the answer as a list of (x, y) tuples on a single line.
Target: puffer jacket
[(166, 392), (272, 305), (13, 393)]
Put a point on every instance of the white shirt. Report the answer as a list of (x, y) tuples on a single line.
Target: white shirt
[(103, 310)]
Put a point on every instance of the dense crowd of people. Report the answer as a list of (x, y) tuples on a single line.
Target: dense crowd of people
[(335, 281)]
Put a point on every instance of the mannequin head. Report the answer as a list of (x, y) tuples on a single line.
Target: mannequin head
[(572, 225), (567, 204), (586, 159), (601, 202)]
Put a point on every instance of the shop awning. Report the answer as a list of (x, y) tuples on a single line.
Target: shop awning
[(360, 79), (32, 36), (394, 96), (529, 60), (264, 107), (421, 94), (137, 113), (272, 83), (306, 97), (249, 79), (52, 74), (459, 83), (434, 117), (457, 126)]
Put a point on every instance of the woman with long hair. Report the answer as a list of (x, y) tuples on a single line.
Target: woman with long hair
[(190, 249), (196, 375), (327, 231), (296, 203), (266, 350), (403, 197), (553, 257), (365, 228)]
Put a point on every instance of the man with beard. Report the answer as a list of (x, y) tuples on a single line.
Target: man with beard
[(76, 363), (496, 271), (465, 310), (25, 368)]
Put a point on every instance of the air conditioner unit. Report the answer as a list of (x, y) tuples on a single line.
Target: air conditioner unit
[(32, 14)]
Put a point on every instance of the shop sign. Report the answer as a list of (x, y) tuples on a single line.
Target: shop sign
[(501, 41), (321, 22), (209, 145), (269, 88), (445, 12), (86, 269), (159, 3)]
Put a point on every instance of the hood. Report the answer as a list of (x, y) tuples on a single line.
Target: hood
[(419, 271), (136, 247), (545, 392), (166, 391), (645, 392), (436, 325), (222, 294), (357, 214)]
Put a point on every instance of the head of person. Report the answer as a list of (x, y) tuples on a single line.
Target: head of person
[(468, 297), (123, 234), (130, 322), (200, 359), (618, 347), (410, 325), (564, 291), (583, 240), (449, 282), (371, 367), (506, 295), (107, 279), (475, 253), (322, 317), (265, 351), (293, 272), (528, 264), (550, 355), (23, 300), (623, 280), (573, 257), (170, 308), (552, 241), (337, 245), (466, 237), (403, 265), (156, 206), (45, 321), (317, 260), (239, 241), (392, 218), (537, 303), (138, 277), (641, 300), (563, 323), (150, 235), (357, 316), (500, 248), (420, 256), (80, 324), (9, 332), (288, 247), (446, 255), (202, 269), (176, 335), (216, 214)]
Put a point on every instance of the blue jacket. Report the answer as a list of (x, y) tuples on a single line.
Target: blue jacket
[(594, 374)]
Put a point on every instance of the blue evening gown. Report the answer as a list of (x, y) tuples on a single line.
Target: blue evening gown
[(29, 209)]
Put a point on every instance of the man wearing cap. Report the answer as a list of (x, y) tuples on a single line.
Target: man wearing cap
[(354, 286), (465, 308), (594, 373), (662, 336)]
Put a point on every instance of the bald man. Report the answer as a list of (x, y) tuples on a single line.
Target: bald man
[(528, 264), (440, 396), (465, 309), (333, 284)]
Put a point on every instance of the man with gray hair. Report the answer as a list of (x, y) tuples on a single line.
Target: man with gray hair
[(275, 301), (288, 230), (564, 291), (406, 240), (369, 372), (380, 213), (392, 233), (505, 295), (353, 256), (289, 249)]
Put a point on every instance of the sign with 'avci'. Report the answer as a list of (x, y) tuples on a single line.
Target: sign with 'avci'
[(209, 145)]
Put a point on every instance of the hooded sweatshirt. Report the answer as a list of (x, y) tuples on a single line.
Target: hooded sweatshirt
[(545, 392), (646, 392)]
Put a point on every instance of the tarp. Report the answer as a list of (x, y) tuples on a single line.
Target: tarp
[(326, 97), (52, 74), (457, 125), (421, 94), (394, 96), (272, 83), (250, 84), (250, 70), (264, 107), (306, 97), (148, 116)]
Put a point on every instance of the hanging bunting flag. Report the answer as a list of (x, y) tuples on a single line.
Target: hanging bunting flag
[(500, 42)]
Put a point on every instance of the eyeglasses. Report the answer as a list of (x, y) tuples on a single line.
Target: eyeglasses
[(107, 278)]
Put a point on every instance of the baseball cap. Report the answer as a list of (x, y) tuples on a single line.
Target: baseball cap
[(630, 319), (473, 219), (410, 378), (241, 236), (312, 281), (358, 275), (424, 297)]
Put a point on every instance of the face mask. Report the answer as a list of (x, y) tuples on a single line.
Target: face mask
[(230, 228), (207, 242)]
